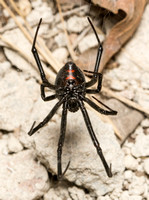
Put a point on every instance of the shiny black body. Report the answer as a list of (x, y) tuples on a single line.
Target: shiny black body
[(70, 80), (70, 89), (69, 71)]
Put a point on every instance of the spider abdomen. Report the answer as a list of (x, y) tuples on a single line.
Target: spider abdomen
[(69, 72)]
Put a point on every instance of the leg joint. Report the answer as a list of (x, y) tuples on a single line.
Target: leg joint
[(34, 49)]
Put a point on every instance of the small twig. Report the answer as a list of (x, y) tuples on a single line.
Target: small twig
[(66, 34), (17, 49), (51, 34), (116, 130), (70, 12), (125, 100), (57, 65), (27, 35), (25, 56), (80, 37)]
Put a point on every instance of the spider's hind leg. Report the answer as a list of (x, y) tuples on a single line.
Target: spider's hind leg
[(98, 58), (61, 142), (37, 59)]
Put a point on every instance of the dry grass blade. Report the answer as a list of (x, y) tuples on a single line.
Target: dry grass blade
[(57, 65), (25, 56), (117, 132), (124, 100), (12, 46), (80, 37), (73, 11), (72, 53), (27, 35)]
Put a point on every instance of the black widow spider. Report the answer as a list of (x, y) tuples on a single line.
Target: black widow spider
[(70, 89)]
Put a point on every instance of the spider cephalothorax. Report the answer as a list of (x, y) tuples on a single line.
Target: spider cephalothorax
[(70, 89)]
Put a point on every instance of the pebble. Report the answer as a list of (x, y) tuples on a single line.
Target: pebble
[(21, 176), (89, 41), (77, 194), (104, 198), (60, 40), (127, 93), (135, 197), (131, 163), (146, 165), (4, 146), (137, 185), (145, 80), (60, 54), (124, 196), (118, 85), (76, 24), (13, 144), (116, 193), (142, 98), (140, 168), (145, 123), (125, 184), (126, 150), (69, 193), (141, 146), (21, 95), (128, 175), (4, 66), (41, 11)]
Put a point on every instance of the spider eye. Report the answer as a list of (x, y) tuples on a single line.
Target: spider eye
[(71, 82)]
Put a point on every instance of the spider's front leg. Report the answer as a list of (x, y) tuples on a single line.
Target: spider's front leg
[(37, 59), (96, 68), (94, 139)]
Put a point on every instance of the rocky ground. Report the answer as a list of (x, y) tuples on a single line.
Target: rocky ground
[(28, 165)]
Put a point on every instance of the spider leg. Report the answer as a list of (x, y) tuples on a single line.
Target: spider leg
[(43, 96), (98, 58), (37, 59), (46, 120), (98, 109), (61, 142), (99, 85), (94, 139)]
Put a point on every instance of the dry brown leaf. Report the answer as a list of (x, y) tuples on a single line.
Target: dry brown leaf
[(124, 29), (86, 61)]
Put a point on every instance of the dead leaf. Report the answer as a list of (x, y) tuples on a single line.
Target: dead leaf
[(123, 30), (127, 118), (86, 61)]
